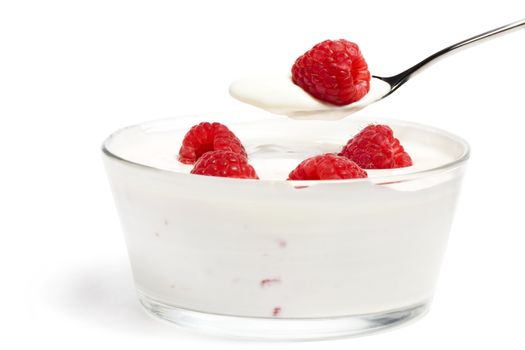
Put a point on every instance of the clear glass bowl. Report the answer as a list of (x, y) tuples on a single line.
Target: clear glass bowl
[(276, 259)]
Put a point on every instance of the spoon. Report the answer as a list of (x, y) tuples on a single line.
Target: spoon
[(278, 94)]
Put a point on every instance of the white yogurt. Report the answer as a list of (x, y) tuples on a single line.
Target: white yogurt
[(279, 248), (278, 94)]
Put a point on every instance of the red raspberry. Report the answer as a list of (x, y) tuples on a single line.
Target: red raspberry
[(375, 147), (224, 164), (333, 71), (206, 137), (327, 167)]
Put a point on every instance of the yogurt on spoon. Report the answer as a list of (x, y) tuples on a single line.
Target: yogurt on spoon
[(278, 94)]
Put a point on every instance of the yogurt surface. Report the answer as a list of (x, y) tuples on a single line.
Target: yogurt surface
[(276, 146)]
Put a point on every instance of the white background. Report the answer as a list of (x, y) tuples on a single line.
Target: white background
[(73, 71)]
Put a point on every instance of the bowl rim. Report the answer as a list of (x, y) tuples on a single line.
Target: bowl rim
[(382, 179)]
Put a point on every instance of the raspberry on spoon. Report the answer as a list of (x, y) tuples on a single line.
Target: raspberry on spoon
[(327, 167), (375, 147), (333, 71)]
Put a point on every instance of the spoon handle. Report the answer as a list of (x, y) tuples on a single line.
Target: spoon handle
[(396, 81)]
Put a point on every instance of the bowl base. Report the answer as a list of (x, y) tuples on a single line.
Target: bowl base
[(278, 329)]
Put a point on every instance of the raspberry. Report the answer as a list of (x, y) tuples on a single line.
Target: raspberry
[(224, 164), (333, 71), (276, 311), (269, 281), (206, 137), (375, 147), (327, 167)]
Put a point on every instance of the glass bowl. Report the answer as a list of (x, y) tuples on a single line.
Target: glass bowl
[(277, 259)]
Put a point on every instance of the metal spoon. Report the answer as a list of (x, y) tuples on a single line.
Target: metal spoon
[(279, 95), (397, 80)]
